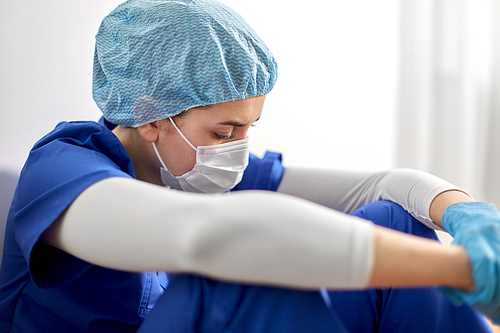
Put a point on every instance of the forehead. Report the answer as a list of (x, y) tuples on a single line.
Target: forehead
[(243, 111)]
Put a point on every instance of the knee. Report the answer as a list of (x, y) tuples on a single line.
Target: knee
[(391, 215), (382, 213)]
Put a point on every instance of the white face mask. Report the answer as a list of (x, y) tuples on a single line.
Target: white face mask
[(218, 168)]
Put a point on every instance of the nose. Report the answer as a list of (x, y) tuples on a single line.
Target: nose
[(240, 133)]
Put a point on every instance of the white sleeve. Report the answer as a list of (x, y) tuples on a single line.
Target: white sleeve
[(249, 237), (346, 191)]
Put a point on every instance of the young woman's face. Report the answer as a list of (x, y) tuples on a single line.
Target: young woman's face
[(206, 126)]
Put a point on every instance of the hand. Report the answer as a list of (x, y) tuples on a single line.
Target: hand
[(476, 227)]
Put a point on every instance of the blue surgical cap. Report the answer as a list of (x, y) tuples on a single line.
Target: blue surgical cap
[(157, 58)]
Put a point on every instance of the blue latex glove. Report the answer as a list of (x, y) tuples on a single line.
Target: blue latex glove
[(476, 227)]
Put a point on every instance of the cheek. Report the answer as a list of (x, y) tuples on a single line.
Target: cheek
[(179, 156)]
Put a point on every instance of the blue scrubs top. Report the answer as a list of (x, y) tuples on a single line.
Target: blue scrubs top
[(43, 289)]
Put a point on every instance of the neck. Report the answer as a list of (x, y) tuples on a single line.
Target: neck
[(146, 164)]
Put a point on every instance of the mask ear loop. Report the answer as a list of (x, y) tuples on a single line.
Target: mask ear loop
[(182, 135), (159, 157)]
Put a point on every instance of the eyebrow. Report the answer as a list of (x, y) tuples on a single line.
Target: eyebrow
[(235, 123)]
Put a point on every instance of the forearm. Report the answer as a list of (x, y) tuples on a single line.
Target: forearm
[(442, 201), (405, 261)]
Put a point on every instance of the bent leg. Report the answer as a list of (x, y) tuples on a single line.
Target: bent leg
[(402, 310), (196, 304)]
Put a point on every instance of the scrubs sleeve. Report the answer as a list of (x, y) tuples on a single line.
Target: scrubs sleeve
[(262, 173), (60, 167)]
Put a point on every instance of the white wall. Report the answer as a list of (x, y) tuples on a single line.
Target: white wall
[(334, 104)]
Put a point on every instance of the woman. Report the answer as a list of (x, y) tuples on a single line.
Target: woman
[(180, 83)]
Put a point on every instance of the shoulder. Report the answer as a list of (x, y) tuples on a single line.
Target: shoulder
[(77, 139), (77, 133), (61, 165), (70, 158), (262, 173)]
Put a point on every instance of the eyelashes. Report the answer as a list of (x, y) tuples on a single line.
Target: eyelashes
[(223, 137)]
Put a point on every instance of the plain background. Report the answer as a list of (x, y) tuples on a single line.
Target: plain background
[(334, 105)]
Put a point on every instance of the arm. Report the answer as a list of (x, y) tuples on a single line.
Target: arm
[(402, 260), (346, 191), (442, 201), (471, 267), (249, 237)]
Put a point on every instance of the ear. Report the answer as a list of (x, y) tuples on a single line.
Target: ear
[(150, 132)]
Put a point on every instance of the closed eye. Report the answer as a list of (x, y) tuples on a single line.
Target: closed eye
[(223, 137)]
